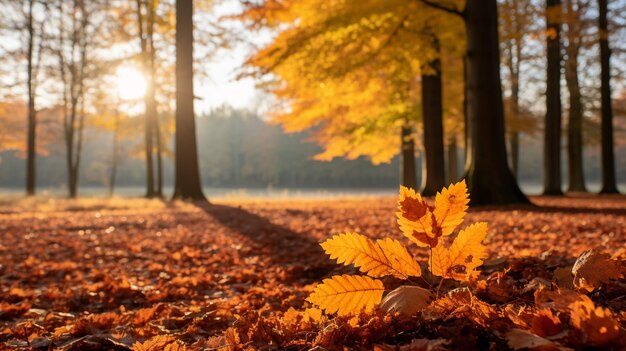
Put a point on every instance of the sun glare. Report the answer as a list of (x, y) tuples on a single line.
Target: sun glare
[(131, 83)]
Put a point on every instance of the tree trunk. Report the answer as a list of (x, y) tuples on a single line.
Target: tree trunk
[(467, 136), (32, 117), (489, 178), (575, 120), (148, 145), (159, 158), (187, 183), (514, 135), (552, 136), (609, 185), (420, 173), (69, 148), (77, 94), (453, 159), (149, 102), (79, 142), (515, 154), (73, 190), (114, 157), (432, 115), (154, 114), (407, 164), (575, 143)]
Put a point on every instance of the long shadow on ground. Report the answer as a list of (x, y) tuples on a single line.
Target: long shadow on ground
[(283, 245), (539, 207)]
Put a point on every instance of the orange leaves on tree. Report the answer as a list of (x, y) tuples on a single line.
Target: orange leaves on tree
[(377, 259), (347, 294)]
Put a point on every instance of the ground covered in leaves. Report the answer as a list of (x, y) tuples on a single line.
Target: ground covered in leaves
[(152, 275)]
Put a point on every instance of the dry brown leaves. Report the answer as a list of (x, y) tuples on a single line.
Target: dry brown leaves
[(184, 277)]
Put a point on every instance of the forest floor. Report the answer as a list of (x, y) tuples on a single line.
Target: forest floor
[(113, 274)]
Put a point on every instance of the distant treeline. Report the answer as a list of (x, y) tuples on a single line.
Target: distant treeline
[(238, 149)]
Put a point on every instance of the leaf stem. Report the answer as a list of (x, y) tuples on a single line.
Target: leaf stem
[(439, 287)]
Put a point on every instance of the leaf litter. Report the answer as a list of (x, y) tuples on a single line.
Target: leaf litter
[(176, 276)]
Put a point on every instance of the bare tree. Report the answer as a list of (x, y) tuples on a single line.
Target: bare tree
[(21, 18), (145, 21), (75, 69)]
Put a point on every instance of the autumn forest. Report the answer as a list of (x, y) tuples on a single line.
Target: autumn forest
[(313, 175)]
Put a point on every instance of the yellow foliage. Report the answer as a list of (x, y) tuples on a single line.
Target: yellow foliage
[(415, 218), (346, 70), (465, 254), (377, 259), (347, 294), (451, 206), (423, 225)]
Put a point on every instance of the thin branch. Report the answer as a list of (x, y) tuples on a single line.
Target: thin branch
[(443, 8)]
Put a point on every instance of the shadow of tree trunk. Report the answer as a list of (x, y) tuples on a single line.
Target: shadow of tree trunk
[(300, 254)]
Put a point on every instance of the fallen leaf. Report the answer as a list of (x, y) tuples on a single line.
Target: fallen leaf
[(406, 300), (519, 339), (592, 269), (597, 324)]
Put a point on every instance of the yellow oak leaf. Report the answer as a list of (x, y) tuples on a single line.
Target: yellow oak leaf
[(451, 206), (465, 254), (347, 294), (377, 259), (416, 219)]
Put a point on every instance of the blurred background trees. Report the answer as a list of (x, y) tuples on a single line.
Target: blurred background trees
[(417, 88)]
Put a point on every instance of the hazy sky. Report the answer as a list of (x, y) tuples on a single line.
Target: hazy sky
[(221, 87)]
